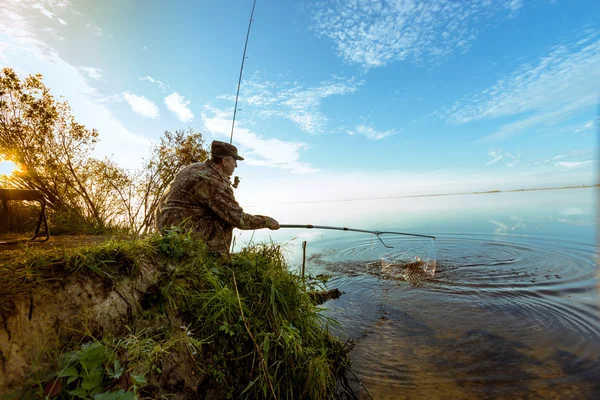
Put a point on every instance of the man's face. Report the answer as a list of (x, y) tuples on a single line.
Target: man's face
[(229, 165)]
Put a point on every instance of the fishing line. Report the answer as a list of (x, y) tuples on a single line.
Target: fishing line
[(241, 70)]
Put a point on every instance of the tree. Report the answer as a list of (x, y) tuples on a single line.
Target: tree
[(174, 151), (40, 134)]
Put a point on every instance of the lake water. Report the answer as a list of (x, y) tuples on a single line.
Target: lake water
[(511, 312)]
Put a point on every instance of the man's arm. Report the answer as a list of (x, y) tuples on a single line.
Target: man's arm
[(222, 202)]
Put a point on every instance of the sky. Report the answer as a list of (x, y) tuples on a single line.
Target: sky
[(339, 100)]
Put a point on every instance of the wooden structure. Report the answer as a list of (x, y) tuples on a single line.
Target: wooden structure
[(7, 195)]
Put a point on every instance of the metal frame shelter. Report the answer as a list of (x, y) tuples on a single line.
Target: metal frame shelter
[(7, 195)]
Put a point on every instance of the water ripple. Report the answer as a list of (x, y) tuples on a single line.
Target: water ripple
[(504, 316)]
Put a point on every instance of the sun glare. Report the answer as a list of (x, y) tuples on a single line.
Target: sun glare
[(7, 167)]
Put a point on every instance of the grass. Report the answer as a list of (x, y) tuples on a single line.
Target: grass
[(246, 324)]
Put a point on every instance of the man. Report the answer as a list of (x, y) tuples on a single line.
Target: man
[(201, 199)]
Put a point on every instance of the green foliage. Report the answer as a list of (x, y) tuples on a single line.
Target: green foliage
[(53, 152), (175, 243), (85, 374), (262, 321), (21, 271), (249, 324), (174, 151)]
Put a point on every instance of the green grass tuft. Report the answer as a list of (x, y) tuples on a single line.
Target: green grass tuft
[(249, 324)]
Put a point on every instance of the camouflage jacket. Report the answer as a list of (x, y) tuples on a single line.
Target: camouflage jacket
[(201, 199)]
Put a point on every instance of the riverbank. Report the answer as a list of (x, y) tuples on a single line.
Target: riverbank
[(158, 317)]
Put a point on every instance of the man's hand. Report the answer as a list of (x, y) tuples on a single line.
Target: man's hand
[(272, 224)]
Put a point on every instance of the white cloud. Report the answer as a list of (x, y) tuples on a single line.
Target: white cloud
[(370, 132), (588, 125), (43, 10), (499, 155), (549, 91), (96, 30), (495, 160), (178, 106), (292, 101), (503, 229), (24, 49), (57, 6), (257, 150), (161, 85), (54, 33), (141, 105), (373, 33), (94, 73), (572, 164)]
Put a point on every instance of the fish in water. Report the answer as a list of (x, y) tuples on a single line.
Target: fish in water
[(413, 272)]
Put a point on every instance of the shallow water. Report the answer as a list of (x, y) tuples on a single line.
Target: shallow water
[(512, 312)]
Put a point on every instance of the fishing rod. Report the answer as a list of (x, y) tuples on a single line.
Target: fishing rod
[(241, 70), (341, 228)]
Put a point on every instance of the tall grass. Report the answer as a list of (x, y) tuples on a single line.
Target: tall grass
[(254, 330)]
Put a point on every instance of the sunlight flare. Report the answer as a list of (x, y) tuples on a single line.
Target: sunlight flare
[(7, 168)]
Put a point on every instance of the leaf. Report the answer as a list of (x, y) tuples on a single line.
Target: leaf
[(93, 380), (265, 349), (138, 380), (68, 358), (69, 372), (92, 356), (117, 371), (120, 395), (79, 392)]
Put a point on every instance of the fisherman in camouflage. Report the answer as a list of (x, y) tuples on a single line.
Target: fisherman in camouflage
[(201, 199)]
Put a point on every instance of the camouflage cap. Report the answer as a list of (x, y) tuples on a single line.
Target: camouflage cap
[(222, 149)]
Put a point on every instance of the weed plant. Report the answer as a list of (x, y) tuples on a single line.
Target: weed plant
[(247, 322)]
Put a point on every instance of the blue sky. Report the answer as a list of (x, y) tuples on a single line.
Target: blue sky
[(339, 99)]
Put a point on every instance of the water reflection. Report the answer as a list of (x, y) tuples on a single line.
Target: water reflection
[(512, 311)]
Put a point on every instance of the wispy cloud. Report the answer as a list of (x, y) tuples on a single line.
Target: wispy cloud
[(257, 150), (511, 159), (515, 223), (294, 101), (495, 160), (141, 105), (43, 10), (56, 6), (572, 164), (161, 85), (25, 48), (587, 126), (574, 153), (549, 91), (94, 73), (179, 106), (373, 33), (370, 132), (53, 32), (96, 30)]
